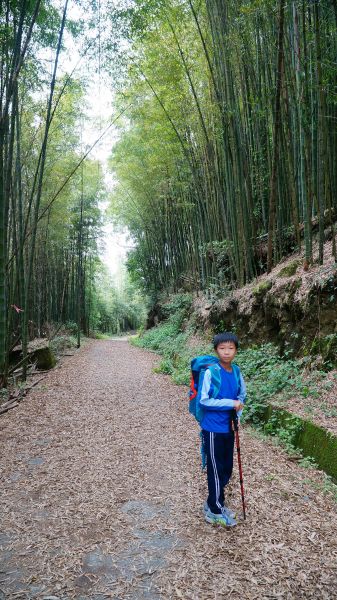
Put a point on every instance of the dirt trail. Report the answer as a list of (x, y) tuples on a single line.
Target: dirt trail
[(101, 496)]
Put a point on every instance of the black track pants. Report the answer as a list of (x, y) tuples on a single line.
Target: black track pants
[(219, 450)]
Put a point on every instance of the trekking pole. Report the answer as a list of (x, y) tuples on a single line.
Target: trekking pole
[(237, 443)]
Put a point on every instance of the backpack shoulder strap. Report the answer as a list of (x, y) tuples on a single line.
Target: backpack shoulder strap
[(216, 379), (236, 371)]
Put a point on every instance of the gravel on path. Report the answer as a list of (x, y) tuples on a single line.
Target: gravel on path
[(101, 497)]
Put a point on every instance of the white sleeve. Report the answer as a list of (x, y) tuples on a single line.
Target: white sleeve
[(212, 403)]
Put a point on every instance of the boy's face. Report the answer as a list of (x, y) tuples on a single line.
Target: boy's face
[(226, 352)]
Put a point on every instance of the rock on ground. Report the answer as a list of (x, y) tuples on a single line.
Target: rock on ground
[(101, 496)]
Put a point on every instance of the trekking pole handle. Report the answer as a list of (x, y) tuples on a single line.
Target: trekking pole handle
[(235, 420)]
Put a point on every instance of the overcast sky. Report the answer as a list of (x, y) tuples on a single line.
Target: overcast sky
[(99, 100)]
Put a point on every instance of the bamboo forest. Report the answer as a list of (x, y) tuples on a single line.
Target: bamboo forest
[(224, 161), (167, 175), (233, 120)]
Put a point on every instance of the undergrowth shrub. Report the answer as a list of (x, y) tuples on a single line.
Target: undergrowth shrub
[(268, 376), (178, 308), (167, 340), (170, 339), (71, 327), (286, 430), (62, 342), (270, 379)]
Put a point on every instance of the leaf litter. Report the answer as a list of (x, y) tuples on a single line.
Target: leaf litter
[(102, 497)]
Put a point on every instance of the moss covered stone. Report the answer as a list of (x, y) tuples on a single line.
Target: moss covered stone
[(290, 269), (44, 358), (321, 445), (39, 352), (312, 440)]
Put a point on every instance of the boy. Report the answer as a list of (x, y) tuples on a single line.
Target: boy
[(216, 424)]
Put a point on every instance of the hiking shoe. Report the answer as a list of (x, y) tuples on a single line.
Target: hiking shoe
[(227, 511), (222, 518)]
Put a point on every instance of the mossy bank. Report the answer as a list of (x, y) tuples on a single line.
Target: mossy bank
[(298, 433)]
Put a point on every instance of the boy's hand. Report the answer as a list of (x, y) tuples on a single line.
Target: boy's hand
[(238, 405)]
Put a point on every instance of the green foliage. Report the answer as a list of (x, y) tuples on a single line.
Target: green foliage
[(269, 379), (287, 429), (267, 374), (329, 412), (101, 336), (327, 348), (194, 159), (178, 309), (179, 304), (71, 326), (60, 343), (4, 395), (308, 462), (171, 342), (116, 309), (301, 438), (263, 287), (219, 253), (328, 486), (325, 484)]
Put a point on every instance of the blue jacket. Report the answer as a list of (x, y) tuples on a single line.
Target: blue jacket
[(220, 389)]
